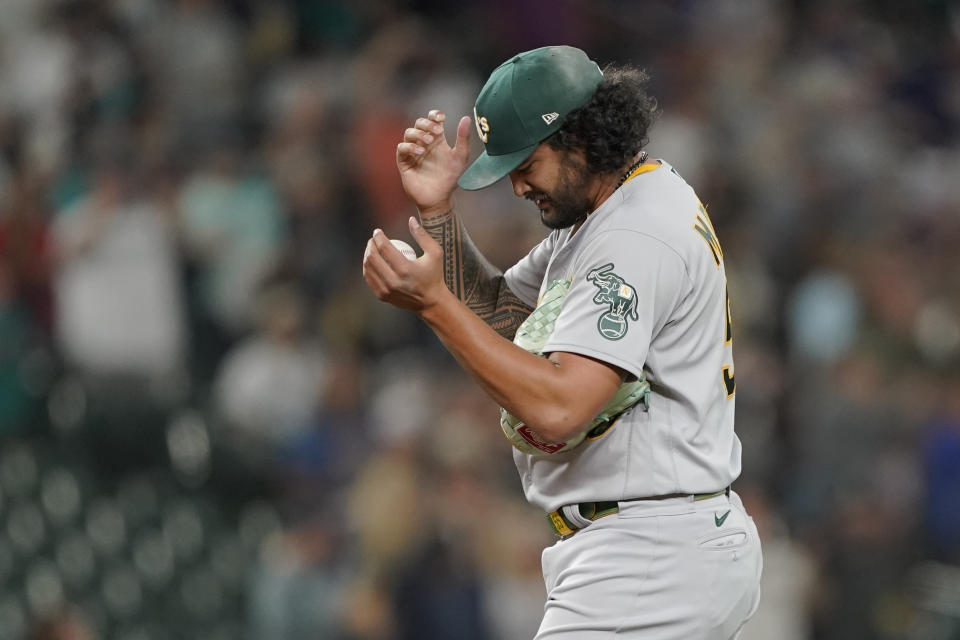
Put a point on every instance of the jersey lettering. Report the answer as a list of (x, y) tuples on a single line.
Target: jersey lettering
[(705, 229)]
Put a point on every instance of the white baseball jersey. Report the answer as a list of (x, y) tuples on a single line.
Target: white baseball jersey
[(647, 294)]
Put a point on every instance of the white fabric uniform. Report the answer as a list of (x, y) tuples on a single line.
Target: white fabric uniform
[(647, 293)]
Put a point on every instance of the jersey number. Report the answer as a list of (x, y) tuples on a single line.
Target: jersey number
[(728, 381)]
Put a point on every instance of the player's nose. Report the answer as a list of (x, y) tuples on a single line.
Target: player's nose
[(520, 186)]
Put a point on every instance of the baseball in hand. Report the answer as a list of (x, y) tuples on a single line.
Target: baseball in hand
[(405, 249)]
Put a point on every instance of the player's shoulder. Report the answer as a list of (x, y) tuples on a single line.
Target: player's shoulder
[(659, 188), (658, 202)]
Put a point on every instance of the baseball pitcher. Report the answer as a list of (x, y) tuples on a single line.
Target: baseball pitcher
[(608, 347)]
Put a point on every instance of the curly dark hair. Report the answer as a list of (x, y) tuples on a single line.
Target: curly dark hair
[(612, 127)]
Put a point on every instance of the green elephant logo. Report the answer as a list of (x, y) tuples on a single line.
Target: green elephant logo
[(620, 299)]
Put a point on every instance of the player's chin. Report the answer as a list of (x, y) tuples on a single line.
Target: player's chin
[(554, 219), (550, 219)]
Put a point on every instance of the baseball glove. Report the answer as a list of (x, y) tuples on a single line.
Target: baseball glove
[(532, 336)]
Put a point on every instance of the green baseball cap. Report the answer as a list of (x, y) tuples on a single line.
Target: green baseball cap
[(523, 102)]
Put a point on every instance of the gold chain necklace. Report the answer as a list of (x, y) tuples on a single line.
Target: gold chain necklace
[(633, 167)]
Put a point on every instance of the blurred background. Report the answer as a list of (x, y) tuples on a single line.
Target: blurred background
[(210, 429)]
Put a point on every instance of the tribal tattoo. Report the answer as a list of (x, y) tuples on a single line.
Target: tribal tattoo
[(472, 278)]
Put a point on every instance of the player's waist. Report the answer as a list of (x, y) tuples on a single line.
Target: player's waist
[(569, 519)]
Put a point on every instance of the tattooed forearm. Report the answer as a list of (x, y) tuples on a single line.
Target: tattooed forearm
[(470, 276)]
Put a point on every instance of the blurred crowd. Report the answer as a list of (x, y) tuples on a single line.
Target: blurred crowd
[(198, 394)]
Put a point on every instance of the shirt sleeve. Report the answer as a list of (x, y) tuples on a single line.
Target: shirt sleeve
[(626, 285), (526, 277)]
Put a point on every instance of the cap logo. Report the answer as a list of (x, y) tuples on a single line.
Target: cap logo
[(550, 117), (483, 127)]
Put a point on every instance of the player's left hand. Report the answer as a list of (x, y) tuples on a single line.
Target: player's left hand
[(409, 284)]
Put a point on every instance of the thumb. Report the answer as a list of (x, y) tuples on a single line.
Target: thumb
[(462, 146), (424, 239)]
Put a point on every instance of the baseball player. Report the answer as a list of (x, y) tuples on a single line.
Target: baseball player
[(608, 347)]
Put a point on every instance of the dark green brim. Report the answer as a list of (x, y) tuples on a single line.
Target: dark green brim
[(487, 169)]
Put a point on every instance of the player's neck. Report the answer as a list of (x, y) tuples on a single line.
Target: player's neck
[(638, 160), (607, 184)]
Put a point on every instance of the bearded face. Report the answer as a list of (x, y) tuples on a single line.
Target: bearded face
[(565, 202)]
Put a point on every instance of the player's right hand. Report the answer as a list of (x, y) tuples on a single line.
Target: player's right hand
[(409, 284), (429, 167)]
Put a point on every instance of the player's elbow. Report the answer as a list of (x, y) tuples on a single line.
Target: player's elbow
[(557, 425)]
